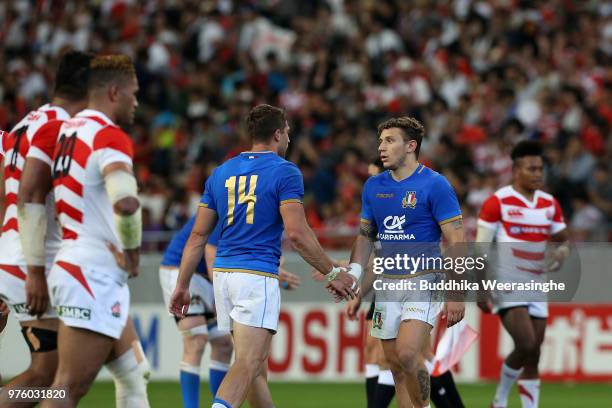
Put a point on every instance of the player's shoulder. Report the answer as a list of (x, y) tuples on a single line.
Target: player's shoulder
[(377, 180), (545, 196), (433, 178), (285, 165)]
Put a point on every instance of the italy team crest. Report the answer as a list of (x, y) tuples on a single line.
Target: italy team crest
[(409, 200)]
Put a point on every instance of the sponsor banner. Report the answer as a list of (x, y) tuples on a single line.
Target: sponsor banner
[(316, 342), (577, 347)]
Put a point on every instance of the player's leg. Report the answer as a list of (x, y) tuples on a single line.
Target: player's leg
[(385, 388), (444, 392), (399, 376), (130, 369), (409, 345), (529, 383), (78, 364), (371, 351), (518, 324), (251, 345), (195, 335), (259, 395), (41, 337), (221, 349)]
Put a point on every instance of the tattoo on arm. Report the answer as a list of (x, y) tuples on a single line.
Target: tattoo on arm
[(458, 224), (367, 230), (423, 378)]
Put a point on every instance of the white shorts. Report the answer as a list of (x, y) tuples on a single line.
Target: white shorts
[(89, 298), (535, 309), (249, 299), (12, 291), (200, 289), (388, 315)]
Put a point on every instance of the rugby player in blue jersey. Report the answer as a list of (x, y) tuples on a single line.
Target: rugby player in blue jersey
[(254, 196), (407, 208)]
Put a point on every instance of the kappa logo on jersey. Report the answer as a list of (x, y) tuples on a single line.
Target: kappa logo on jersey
[(515, 213), (384, 195), (73, 312), (409, 200), (116, 309), (393, 224)]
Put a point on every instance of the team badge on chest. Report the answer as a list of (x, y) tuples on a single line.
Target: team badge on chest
[(409, 200)]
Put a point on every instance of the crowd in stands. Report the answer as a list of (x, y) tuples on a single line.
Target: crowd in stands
[(480, 75)]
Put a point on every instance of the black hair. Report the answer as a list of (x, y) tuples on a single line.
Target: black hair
[(526, 148), (72, 75)]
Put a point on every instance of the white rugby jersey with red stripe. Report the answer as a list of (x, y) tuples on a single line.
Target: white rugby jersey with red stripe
[(528, 224), (88, 143), (34, 136)]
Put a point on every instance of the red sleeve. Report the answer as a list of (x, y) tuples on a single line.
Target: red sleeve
[(114, 138), (45, 138), (491, 210)]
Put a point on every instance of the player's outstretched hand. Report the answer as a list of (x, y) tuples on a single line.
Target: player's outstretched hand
[(179, 303), (128, 260), (37, 294), (352, 307), (288, 280), (4, 311), (453, 312), (343, 286)]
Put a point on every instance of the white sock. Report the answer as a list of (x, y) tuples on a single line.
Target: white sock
[(130, 373), (385, 377), (371, 370), (507, 378), (529, 390), (188, 368)]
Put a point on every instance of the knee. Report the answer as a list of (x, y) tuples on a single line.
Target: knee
[(252, 365), (222, 348), (40, 377), (77, 387), (195, 344), (409, 360), (527, 347)]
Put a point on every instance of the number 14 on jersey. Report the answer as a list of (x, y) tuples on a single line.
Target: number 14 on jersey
[(249, 198)]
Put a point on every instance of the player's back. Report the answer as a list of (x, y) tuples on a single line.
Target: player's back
[(247, 192), (87, 144), (34, 136)]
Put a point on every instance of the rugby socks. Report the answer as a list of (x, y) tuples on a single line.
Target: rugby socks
[(216, 374), (507, 378), (371, 375), (529, 390), (219, 403), (385, 391), (190, 385), (444, 392)]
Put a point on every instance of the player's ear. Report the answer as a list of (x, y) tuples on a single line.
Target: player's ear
[(113, 92), (277, 135)]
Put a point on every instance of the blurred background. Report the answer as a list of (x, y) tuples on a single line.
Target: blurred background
[(480, 75)]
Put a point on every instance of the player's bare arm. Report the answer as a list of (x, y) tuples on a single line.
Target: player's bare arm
[(210, 252), (366, 286), (4, 311), (561, 250), (35, 185), (306, 244), (484, 239), (205, 222), (123, 192), (455, 237)]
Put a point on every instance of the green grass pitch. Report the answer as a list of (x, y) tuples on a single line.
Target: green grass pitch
[(336, 395)]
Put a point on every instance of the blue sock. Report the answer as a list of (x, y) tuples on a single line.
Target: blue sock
[(190, 385), (219, 403), (216, 374)]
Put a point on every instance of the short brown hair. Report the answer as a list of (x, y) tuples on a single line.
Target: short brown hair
[(411, 128), (109, 68), (263, 121)]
